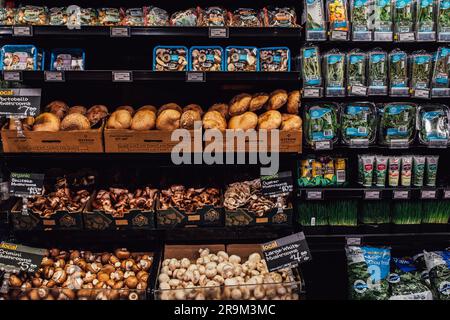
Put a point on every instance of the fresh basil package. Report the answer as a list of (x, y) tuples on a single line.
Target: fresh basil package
[(321, 123), (425, 20), (356, 73), (368, 269), (438, 265), (311, 68), (421, 70), (443, 20), (441, 70), (360, 13), (315, 20), (398, 72), (377, 72), (334, 67), (397, 124), (358, 123), (433, 124), (404, 19), (406, 282)]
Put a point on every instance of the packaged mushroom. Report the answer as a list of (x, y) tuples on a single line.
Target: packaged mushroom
[(244, 17), (206, 59), (242, 58), (67, 59), (108, 16), (31, 15), (235, 272), (88, 17), (7, 16), (58, 16), (83, 275), (275, 59), (132, 17), (20, 57), (186, 18), (156, 17), (279, 17), (213, 17), (170, 58)]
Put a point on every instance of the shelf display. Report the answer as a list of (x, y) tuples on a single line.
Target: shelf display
[(323, 172)]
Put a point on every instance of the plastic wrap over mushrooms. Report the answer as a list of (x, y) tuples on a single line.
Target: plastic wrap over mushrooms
[(206, 59), (188, 199), (274, 59), (221, 276), (242, 58), (170, 58), (83, 275)]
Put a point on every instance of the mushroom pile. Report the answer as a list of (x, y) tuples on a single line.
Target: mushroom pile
[(83, 275), (223, 277), (119, 201), (188, 199)]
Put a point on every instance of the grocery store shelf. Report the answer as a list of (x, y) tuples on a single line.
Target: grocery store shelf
[(343, 149)]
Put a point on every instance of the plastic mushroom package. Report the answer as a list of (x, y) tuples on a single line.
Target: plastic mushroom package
[(170, 58)]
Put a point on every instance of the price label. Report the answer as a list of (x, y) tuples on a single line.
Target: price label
[(401, 194), (440, 92), (428, 194), (280, 184), (353, 241), (359, 143), (120, 32), (194, 76), (26, 184), (22, 31), (372, 195), (314, 195), (322, 145), (339, 35), (422, 93), (399, 92), (312, 92), (383, 36), (12, 75), (358, 91), (287, 252), (446, 194), (444, 36), (122, 76), (20, 102), (15, 258), (219, 32), (406, 37), (362, 36), (54, 76)]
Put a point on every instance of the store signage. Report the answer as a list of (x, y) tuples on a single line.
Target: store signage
[(195, 76), (22, 31), (26, 184), (122, 76), (15, 258), (314, 195), (277, 185), (12, 75), (20, 102), (219, 32), (428, 194), (287, 252), (407, 36), (54, 76), (372, 195), (120, 32), (401, 194)]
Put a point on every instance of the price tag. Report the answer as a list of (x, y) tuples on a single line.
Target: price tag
[(406, 37), (353, 241), (399, 92), (20, 102), (322, 145), (440, 92), (377, 91), (314, 195), (280, 184), (372, 195), (54, 76), (422, 93), (12, 75), (122, 76), (312, 92), (339, 35), (446, 194), (382, 36), (426, 36), (428, 194), (22, 31), (26, 184), (401, 194), (287, 252), (358, 91), (193, 76), (316, 35), (219, 32), (16, 258), (359, 143), (362, 36), (444, 36), (335, 92), (120, 32)]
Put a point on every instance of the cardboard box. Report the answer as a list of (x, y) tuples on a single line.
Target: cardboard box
[(81, 141), (208, 216), (243, 217), (151, 141)]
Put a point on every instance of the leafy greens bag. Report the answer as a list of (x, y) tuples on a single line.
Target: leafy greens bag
[(397, 124), (438, 265), (321, 123)]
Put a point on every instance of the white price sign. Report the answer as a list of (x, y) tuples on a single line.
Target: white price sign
[(22, 31), (372, 195), (54, 76), (322, 145), (12, 75), (314, 195), (401, 194), (428, 194), (311, 92), (422, 93), (122, 76)]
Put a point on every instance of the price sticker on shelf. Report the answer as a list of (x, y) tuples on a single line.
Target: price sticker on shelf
[(322, 145), (287, 252), (352, 241), (122, 76), (15, 258), (401, 194), (428, 194), (382, 36), (20, 102), (120, 32), (422, 93), (22, 31), (277, 185), (447, 194), (358, 91), (54, 76), (314, 195), (12, 75), (219, 32), (193, 76), (406, 37), (26, 184), (372, 195), (312, 92), (339, 35)]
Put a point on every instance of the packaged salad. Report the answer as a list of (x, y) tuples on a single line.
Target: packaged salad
[(321, 123), (275, 59), (88, 17), (242, 58), (132, 17), (206, 59), (433, 125), (213, 17), (425, 20), (398, 73), (155, 17), (356, 73), (438, 266), (334, 68), (67, 60), (316, 26), (108, 16), (383, 20), (32, 15), (311, 67), (7, 16), (279, 17), (185, 18), (360, 13), (397, 124), (404, 20), (358, 123), (441, 72), (421, 71), (170, 58), (377, 72), (443, 20), (338, 18), (20, 57), (244, 17)]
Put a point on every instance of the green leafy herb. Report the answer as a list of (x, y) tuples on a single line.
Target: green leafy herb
[(436, 212), (312, 75), (375, 212), (422, 66), (403, 16), (398, 69), (321, 122), (407, 212), (444, 16), (441, 70), (378, 75), (383, 15), (397, 122), (425, 15), (356, 68), (433, 124), (438, 263), (334, 66)]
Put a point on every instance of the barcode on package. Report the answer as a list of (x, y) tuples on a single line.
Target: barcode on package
[(362, 130), (328, 133), (340, 176), (402, 129)]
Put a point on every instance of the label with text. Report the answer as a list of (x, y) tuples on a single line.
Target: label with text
[(15, 258), (280, 184), (20, 102), (26, 184)]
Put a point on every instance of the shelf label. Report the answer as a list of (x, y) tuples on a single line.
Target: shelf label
[(219, 32), (287, 252), (440, 92), (322, 145), (407, 36), (358, 91), (401, 194), (278, 185), (422, 93), (20, 102), (15, 258), (314, 195), (312, 92), (446, 194), (339, 35), (12, 75), (372, 195), (22, 31), (26, 184), (362, 36), (399, 92), (351, 241), (54, 76), (382, 36), (120, 32), (122, 76), (193, 76), (428, 194), (359, 143)]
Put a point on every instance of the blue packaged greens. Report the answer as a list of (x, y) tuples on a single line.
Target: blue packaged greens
[(275, 59), (206, 59), (398, 69), (67, 60), (438, 266), (425, 19), (358, 122), (321, 123), (377, 72), (368, 269), (383, 15), (315, 17), (311, 67), (241, 58), (421, 70), (170, 58), (20, 57), (334, 68), (433, 124), (356, 72), (404, 19), (443, 20), (360, 12), (441, 69), (397, 123)]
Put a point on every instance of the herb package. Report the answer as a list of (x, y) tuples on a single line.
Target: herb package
[(356, 70), (404, 17), (406, 171), (433, 121), (321, 123), (311, 69), (338, 15), (365, 169), (438, 265), (407, 212), (421, 68), (334, 68), (358, 121), (381, 170), (443, 19), (441, 71), (425, 16), (431, 168), (322, 172), (364, 283), (418, 171), (397, 124), (398, 69), (394, 163), (360, 11), (375, 212), (378, 72), (383, 15), (315, 16), (436, 212)]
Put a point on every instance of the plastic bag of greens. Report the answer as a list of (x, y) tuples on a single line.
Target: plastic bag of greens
[(368, 269), (383, 20), (359, 123), (433, 125), (321, 123), (356, 73), (404, 19), (311, 69), (406, 282), (378, 72), (398, 73), (334, 67), (443, 20), (441, 71), (315, 20), (360, 13), (425, 23), (338, 17), (421, 71), (438, 265), (397, 124)]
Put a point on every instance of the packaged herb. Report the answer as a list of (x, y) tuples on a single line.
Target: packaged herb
[(315, 16), (305, 172), (383, 15), (329, 175), (398, 69), (419, 262), (360, 11), (431, 169), (425, 13), (421, 68), (404, 17), (433, 124), (405, 281), (443, 19), (356, 70), (321, 123), (378, 73), (366, 163), (394, 171), (317, 173), (438, 265), (334, 67), (341, 171), (397, 124), (381, 167), (358, 122), (418, 170), (364, 283), (406, 171), (337, 15), (311, 70), (441, 71)]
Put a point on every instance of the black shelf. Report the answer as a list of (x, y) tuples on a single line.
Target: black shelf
[(347, 150)]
